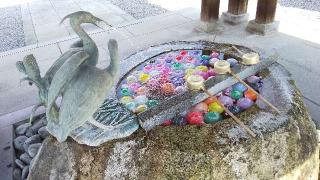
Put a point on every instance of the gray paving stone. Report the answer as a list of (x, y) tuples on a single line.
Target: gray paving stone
[(307, 81), (191, 13), (112, 18), (155, 24), (6, 152), (52, 19)]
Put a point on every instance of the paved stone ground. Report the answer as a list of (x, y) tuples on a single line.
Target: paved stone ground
[(11, 30), (41, 18)]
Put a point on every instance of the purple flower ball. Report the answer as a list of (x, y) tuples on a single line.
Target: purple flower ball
[(225, 100), (244, 103)]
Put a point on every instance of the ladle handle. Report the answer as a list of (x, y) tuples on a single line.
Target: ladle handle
[(249, 87), (231, 114), (238, 50)]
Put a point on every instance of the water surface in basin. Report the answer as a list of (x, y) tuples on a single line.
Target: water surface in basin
[(164, 75)]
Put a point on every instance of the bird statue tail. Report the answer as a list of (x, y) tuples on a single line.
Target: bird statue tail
[(30, 68)]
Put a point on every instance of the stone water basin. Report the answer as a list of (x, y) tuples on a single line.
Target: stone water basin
[(285, 147), (163, 77)]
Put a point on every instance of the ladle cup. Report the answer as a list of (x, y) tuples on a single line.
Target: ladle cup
[(251, 58)]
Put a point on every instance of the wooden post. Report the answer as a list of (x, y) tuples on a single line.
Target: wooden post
[(264, 22), (237, 7), (266, 10), (210, 10)]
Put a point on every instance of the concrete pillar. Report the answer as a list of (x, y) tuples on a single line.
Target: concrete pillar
[(264, 22), (210, 15), (237, 12)]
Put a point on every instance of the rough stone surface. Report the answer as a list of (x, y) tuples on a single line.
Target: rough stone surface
[(33, 149), (286, 147), (19, 142)]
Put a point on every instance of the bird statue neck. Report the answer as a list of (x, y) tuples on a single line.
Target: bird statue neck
[(113, 68), (89, 45)]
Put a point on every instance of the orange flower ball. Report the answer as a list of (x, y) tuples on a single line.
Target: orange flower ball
[(250, 94), (209, 100), (200, 107), (141, 90), (168, 88)]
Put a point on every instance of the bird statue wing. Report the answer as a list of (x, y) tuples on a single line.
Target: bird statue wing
[(82, 98), (63, 75), (59, 62)]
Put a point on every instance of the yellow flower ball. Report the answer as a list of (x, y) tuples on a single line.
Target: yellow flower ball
[(202, 68), (141, 108), (215, 107), (126, 99), (189, 71), (144, 77)]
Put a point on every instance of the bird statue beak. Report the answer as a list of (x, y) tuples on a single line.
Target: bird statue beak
[(102, 24)]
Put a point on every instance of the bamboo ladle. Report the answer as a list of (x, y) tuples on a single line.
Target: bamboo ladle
[(196, 83), (251, 58), (223, 67)]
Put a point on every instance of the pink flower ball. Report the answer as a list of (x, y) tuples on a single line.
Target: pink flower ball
[(189, 59), (159, 67), (200, 107), (211, 72), (214, 54), (134, 86), (147, 68)]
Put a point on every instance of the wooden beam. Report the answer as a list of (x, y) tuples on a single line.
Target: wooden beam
[(210, 10), (266, 11), (237, 7)]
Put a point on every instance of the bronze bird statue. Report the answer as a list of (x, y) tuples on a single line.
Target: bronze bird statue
[(81, 84), (84, 93), (30, 67), (83, 88)]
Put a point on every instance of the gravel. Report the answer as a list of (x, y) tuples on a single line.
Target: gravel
[(27, 144), (139, 8), (313, 5), (11, 28)]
